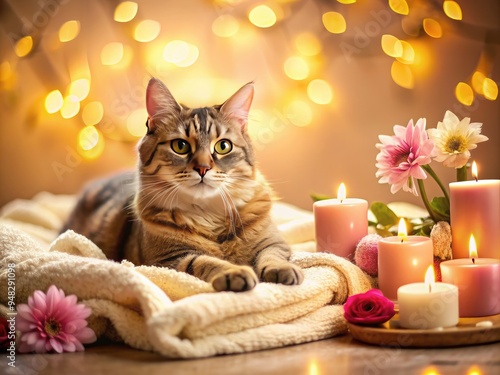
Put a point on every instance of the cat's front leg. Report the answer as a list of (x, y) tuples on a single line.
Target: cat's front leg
[(272, 265), (223, 275)]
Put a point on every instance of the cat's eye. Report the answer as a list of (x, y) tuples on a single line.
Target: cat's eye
[(224, 146), (180, 146)]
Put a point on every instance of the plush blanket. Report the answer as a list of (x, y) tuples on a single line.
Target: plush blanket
[(172, 313)]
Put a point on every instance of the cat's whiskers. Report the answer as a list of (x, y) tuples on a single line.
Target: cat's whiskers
[(153, 191)]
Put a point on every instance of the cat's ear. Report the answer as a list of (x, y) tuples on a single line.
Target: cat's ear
[(238, 105), (159, 99)]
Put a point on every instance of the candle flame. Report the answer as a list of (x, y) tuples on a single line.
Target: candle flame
[(474, 170), (341, 193), (472, 248), (402, 232), (430, 278)]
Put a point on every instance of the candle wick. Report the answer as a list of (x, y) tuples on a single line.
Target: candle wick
[(475, 177), (473, 261), (430, 287)]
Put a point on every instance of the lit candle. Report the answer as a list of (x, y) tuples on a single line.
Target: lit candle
[(478, 282), (340, 224), (475, 208), (428, 305), (402, 260)]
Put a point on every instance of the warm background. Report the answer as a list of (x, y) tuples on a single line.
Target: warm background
[(308, 140)]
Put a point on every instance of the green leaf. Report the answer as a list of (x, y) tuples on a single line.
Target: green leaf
[(385, 216), (383, 232), (319, 197), (441, 207)]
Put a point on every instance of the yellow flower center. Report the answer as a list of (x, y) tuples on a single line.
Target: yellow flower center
[(456, 144), (52, 327)]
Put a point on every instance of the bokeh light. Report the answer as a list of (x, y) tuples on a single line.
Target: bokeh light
[(391, 45), (296, 68), (125, 11), (399, 6), (180, 53), (432, 28), (53, 101), (70, 107), (90, 143), (474, 370), (334, 22), (408, 55), (464, 93), (320, 91), (346, 1), (452, 10), (299, 113), (225, 26), (136, 122), (92, 113), (23, 46), (69, 31), (402, 75), (147, 30), (80, 88), (88, 138), (490, 89), (112, 53), (477, 81), (308, 44), (262, 16)]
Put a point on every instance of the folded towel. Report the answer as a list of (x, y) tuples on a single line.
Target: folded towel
[(173, 313)]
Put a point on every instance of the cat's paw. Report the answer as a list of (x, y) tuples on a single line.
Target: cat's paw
[(237, 279), (286, 273)]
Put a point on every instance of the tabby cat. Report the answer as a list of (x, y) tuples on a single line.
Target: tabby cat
[(197, 203)]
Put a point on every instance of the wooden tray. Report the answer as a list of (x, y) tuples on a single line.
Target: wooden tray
[(465, 333)]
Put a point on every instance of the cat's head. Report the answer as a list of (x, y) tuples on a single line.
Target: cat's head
[(196, 151)]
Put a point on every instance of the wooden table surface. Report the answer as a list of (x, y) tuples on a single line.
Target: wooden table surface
[(340, 355)]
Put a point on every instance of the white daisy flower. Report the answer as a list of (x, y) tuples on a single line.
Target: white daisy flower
[(453, 140)]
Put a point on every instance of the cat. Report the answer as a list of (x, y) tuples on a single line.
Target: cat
[(197, 202)]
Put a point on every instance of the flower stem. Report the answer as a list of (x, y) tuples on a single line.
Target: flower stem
[(427, 205), (462, 173), (433, 174)]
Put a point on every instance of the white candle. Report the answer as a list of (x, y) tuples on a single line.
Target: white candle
[(428, 305)]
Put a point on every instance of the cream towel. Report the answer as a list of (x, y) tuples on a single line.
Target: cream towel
[(173, 313)]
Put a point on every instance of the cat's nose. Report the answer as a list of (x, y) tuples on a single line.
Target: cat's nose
[(202, 169)]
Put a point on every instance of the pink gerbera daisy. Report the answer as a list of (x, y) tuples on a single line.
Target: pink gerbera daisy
[(53, 322), (402, 155)]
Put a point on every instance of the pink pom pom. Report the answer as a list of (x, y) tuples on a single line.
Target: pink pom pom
[(366, 255)]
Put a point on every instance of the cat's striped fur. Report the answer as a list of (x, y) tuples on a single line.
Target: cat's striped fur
[(197, 204)]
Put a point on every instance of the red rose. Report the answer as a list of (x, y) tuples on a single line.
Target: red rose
[(4, 329), (368, 308)]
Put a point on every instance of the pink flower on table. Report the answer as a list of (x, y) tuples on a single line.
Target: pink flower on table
[(53, 322), (368, 308), (402, 155), (454, 138)]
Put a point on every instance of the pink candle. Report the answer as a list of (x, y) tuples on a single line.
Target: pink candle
[(478, 282), (340, 224), (475, 208), (402, 260)]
